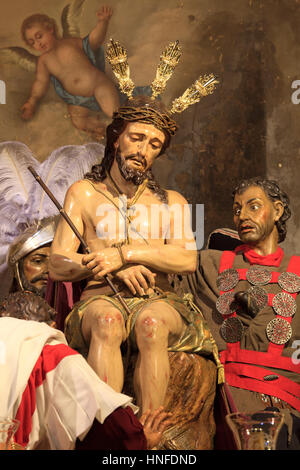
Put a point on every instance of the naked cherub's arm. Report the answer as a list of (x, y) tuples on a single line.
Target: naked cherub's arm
[(97, 35), (38, 90)]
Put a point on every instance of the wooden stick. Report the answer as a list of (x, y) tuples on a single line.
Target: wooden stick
[(78, 235)]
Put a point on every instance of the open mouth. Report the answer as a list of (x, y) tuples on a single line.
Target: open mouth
[(246, 228)]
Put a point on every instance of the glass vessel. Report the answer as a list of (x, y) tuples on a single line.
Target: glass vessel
[(255, 431)]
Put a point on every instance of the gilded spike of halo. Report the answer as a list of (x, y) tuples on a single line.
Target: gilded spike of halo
[(168, 61), (117, 57), (204, 86)]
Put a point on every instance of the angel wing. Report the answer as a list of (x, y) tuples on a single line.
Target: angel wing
[(70, 18), (23, 201), (8, 232), (15, 179), (13, 223), (59, 171), (19, 56), (6, 274)]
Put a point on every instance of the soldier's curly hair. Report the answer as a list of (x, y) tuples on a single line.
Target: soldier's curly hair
[(274, 193), (27, 306)]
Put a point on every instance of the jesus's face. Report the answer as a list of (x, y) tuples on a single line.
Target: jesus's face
[(136, 150)]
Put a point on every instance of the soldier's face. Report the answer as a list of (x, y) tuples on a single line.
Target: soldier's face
[(138, 146), (35, 268), (255, 215)]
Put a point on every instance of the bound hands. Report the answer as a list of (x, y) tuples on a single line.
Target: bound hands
[(102, 262), (154, 424), (137, 278)]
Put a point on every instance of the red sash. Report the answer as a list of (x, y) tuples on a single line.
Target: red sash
[(241, 365), (49, 358)]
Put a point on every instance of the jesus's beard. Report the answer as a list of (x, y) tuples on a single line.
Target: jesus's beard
[(130, 174)]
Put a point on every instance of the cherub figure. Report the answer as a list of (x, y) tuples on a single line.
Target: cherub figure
[(71, 63)]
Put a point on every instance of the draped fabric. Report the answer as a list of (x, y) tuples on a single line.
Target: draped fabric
[(54, 393)]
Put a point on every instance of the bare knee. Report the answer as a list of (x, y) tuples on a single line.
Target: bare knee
[(107, 328), (151, 330), (108, 98), (78, 116), (79, 122)]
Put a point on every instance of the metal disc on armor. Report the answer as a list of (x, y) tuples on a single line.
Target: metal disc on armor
[(228, 279), (258, 276), (232, 330), (289, 282), (279, 331), (226, 304), (284, 304), (259, 295)]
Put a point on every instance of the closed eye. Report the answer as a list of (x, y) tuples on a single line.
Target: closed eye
[(136, 137), (156, 146)]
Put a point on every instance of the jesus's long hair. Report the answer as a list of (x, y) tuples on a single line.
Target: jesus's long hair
[(99, 172)]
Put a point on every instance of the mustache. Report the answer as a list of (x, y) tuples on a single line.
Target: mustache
[(246, 223), (138, 157), (39, 277)]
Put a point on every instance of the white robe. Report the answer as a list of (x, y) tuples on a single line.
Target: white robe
[(68, 394)]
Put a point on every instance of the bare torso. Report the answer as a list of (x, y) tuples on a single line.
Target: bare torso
[(68, 62), (104, 226)]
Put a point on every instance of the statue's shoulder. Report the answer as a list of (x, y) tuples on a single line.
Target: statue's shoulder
[(175, 197), (85, 183), (80, 190)]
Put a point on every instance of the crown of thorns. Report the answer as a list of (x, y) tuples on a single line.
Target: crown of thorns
[(147, 115), (203, 86)]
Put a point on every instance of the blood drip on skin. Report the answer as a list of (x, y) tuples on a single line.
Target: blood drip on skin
[(149, 322)]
